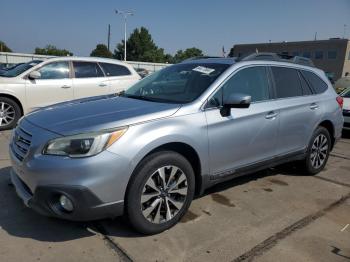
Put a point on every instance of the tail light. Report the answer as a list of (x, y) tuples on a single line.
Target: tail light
[(340, 101)]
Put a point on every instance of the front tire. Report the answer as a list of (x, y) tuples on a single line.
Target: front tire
[(10, 113), (160, 192), (318, 152)]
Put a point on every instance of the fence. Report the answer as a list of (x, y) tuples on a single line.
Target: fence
[(15, 58)]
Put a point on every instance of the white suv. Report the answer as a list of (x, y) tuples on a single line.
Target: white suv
[(57, 80)]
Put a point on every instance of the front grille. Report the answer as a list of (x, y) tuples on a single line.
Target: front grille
[(21, 142)]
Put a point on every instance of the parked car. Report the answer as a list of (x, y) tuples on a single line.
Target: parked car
[(342, 84), (35, 85), (346, 108), (142, 72), (189, 126)]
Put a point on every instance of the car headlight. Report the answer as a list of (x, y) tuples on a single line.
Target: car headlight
[(83, 145)]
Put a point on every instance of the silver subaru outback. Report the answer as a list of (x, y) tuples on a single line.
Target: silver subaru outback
[(147, 152)]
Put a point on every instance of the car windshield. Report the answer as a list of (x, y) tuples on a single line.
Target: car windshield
[(346, 93), (181, 83), (17, 70)]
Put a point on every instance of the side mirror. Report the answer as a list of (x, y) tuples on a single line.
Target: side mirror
[(235, 101), (34, 75)]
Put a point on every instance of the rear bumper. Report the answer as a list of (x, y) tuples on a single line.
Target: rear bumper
[(45, 201)]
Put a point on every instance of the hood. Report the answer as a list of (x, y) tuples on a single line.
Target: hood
[(97, 113), (8, 80)]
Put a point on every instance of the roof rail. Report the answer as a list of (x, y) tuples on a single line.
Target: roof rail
[(200, 57), (279, 57)]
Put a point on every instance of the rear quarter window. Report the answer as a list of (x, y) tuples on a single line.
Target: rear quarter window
[(115, 70), (318, 85)]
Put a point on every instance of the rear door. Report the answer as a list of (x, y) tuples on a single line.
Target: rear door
[(119, 76), (89, 80), (54, 85), (299, 110)]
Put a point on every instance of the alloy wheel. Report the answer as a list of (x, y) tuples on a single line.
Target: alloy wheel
[(319, 151), (164, 194), (7, 114)]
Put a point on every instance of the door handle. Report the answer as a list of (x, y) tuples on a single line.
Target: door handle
[(102, 85), (313, 106), (271, 115), (65, 86)]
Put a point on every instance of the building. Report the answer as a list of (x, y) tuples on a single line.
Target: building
[(332, 56)]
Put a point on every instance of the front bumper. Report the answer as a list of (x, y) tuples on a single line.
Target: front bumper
[(45, 201), (96, 184)]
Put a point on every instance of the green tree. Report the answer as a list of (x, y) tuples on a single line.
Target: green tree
[(52, 50), (101, 50), (140, 47), (188, 53), (4, 47)]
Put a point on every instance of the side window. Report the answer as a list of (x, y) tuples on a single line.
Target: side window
[(215, 100), (317, 83), (87, 70), (115, 70), (305, 86), (55, 70), (251, 81), (287, 82)]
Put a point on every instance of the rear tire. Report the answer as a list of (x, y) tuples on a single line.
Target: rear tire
[(10, 112), (317, 153), (160, 192)]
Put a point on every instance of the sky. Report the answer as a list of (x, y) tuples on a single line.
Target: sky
[(79, 25)]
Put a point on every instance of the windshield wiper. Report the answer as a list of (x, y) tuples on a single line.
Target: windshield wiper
[(146, 98)]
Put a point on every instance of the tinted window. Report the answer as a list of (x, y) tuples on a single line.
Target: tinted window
[(251, 81), (317, 83), (55, 70), (287, 82), (332, 54), (115, 70), (307, 54), (87, 70), (319, 55), (305, 86)]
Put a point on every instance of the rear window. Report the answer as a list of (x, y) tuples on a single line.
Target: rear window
[(115, 70), (287, 82), (87, 70), (316, 82)]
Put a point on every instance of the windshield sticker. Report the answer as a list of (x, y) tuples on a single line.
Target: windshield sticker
[(203, 70)]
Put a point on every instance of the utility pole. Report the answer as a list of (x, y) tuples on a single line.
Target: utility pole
[(109, 36), (344, 33), (125, 14), (315, 36)]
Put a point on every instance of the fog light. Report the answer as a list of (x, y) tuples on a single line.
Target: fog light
[(66, 203)]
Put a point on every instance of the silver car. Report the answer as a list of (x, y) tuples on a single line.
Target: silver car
[(148, 151)]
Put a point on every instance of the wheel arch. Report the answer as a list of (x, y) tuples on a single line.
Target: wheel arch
[(12, 97), (186, 151), (330, 127)]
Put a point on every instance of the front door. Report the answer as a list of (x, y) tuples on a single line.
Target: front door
[(249, 135), (54, 86)]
